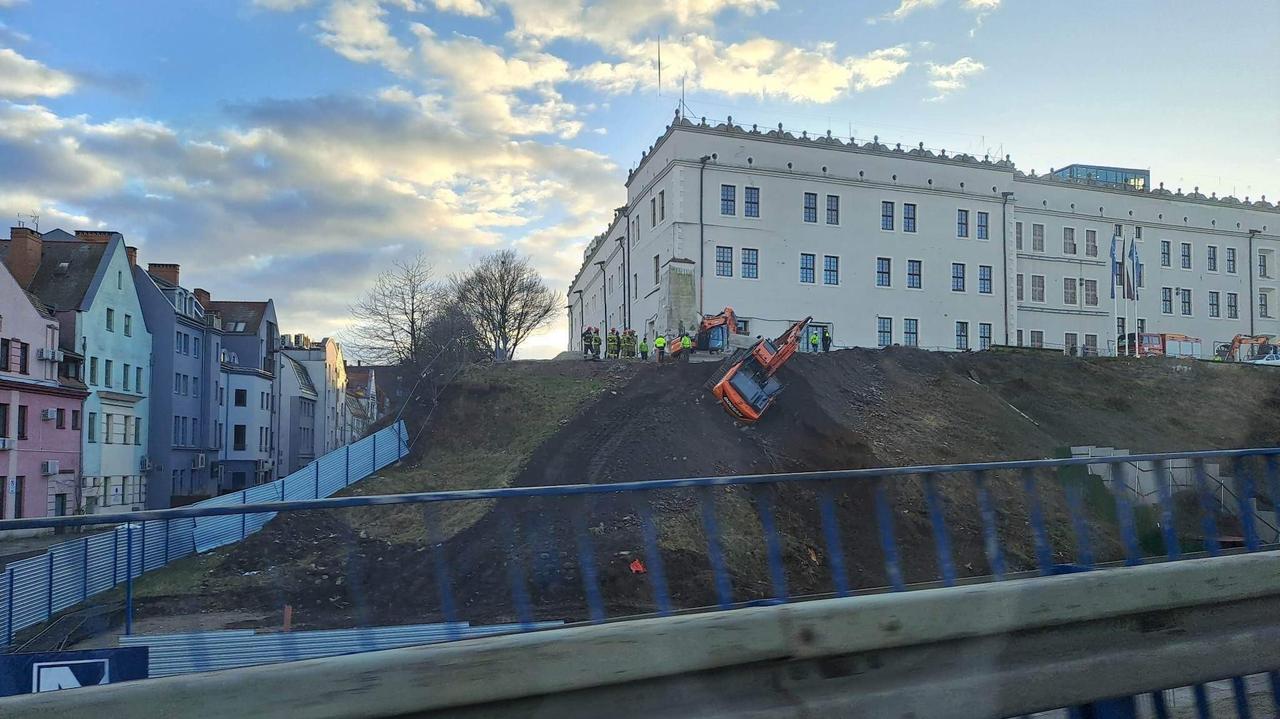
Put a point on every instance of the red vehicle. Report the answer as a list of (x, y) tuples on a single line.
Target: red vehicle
[(1147, 344)]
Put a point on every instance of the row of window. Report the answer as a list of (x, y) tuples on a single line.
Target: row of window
[(186, 344), (750, 267), (911, 333), (1072, 288), (1210, 258), (127, 371), (181, 436), (20, 428), (15, 356), (186, 385), (1069, 246), (111, 322), (127, 433), (1185, 304)]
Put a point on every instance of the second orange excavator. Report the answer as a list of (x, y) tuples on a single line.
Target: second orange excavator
[(747, 384), (713, 333)]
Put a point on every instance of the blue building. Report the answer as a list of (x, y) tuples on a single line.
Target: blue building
[(186, 342), (247, 423)]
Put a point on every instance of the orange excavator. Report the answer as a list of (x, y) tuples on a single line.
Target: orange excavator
[(713, 333), (1231, 352), (748, 385)]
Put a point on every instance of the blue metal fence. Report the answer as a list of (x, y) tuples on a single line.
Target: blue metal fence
[(32, 590)]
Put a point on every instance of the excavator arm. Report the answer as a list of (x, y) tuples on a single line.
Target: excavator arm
[(747, 385)]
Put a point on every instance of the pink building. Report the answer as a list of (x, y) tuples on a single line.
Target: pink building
[(40, 400)]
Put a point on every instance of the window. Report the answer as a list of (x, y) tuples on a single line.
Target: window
[(1211, 258), (911, 332), (1090, 345), (806, 268), (984, 279), (19, 486), (884, 331), (962, 335), (1186, 255), (662, 205), (1137, 232), (242, 398), (833, 209), (1069, 240), (884, 272), (22, 420), (109, 429), (1263, 311), (1037, 288), (810, 207), (1166, 300), (1091, 243), (177, 383), (908, 217), (1262, 265), (75, 419), (1164, 253), (92, 427), (5, 350), (186, 385), (1069, 291), (1091, 293), (4, 421), (107, 371), (1186, 302), (1231, 260), (1037, 338), (1069, 341), (655, 269), (983, 222), (177, 434), (653, 212), (830, 270), (177, 342), (1214, 308), (195, 347), (238, 436), (742, 327), (957, 277), (1019, 338), (128, 325), (1037, 238), (751, 201), (111, 320), (137, 379), (962, 223), (984, 335), (1019, 287), (1233, 306), (724, 261), (61, 418), (24, 357), (1017, 235), (886, 215), (728, 199), (915, 274), (124, 378), (750, 263)]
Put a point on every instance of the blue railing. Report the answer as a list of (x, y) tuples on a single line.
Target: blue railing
[(33, 590)]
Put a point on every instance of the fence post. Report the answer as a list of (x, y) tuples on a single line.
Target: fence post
[(244, 518), (49, 593), (144, 548), (84, 563), (128, 579), (316, 495), (8, 622), (400, 448), (115, 557), (373, 458), (166, 541), (346, 473)]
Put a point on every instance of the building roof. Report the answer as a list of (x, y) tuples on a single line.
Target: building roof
[(66, 272), (304, 379), (239, 318), (358, 378)]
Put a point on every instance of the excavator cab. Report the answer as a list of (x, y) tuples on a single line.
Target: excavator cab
[(712, 334), (748, 385)]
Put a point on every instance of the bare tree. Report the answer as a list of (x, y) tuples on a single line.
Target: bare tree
[(391, 320), (506, 300)]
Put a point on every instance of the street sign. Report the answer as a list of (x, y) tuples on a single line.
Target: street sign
[(53, 671)]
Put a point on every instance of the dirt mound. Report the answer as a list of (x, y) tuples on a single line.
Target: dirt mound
[(533, 424)]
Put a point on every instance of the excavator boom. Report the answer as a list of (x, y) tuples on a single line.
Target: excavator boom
[(747, 386)]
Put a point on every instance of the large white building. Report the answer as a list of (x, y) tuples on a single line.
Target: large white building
[(893, 245)]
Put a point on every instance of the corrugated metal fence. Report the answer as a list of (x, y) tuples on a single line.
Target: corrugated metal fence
[(210, 651), (34, 589)]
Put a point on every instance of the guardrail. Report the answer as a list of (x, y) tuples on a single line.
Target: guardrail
[(34, 589), (994, 650)]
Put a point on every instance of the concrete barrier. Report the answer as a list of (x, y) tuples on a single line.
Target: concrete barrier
[(976, 651)]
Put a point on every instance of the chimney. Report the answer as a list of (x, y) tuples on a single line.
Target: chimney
[(96, 236), (167, 272), (202, 295), (25, 249), (132, 254)]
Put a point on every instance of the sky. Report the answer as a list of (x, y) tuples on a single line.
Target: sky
[(296, 148)]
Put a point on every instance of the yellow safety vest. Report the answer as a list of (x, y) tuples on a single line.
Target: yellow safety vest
[(685, 342), (660, 342)]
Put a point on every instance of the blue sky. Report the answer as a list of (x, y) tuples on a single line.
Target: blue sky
[(294, 147)]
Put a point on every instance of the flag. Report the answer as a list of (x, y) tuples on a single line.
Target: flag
[(1114, 267), (1136, 269)]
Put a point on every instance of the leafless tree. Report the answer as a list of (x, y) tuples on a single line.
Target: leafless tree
[(390, 322), (506, 300)]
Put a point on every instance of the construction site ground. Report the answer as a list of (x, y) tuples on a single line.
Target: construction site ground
[(569, 421)]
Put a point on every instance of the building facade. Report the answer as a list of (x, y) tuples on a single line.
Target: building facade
[(891, 245), (247, 422), (296, 445), (325, 365), (185, 345), (40, 408)]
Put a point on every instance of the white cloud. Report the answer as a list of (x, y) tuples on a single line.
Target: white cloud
[(356, 29), (614, 24), (905, 8), (473, 8), (22, 78), (946, 79), (981, 5)]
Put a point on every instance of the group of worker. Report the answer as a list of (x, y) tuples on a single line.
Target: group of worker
[(624, 345)]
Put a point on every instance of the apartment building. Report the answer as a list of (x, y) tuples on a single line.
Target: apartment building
[(247, 423), (895, 245), (324, 363)]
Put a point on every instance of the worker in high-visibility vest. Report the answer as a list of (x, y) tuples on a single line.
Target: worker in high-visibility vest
[(813, 341), (686, 346), (644, 348), (660, 344)]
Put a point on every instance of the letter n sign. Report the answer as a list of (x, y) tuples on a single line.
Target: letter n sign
[(54, 671)]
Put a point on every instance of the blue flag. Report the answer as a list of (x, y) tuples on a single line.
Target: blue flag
[(1136, 269), (1115, 266)]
